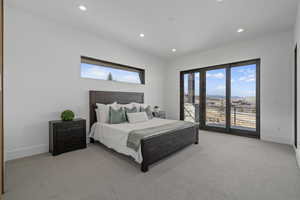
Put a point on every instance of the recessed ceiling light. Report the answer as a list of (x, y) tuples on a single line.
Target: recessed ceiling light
[(240, 30), (142, 35), (82, 7), (219, 1), (174, 50)]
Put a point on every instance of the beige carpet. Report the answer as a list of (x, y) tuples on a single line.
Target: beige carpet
[(220, 167)]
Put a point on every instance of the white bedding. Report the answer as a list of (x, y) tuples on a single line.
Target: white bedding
[(114, 136)]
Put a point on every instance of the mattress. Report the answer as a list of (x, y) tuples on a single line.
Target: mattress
[(115, 136)]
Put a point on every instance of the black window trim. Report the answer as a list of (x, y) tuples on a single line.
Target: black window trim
[(94, 61), (227, 67)]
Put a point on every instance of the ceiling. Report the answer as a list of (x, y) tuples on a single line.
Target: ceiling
[(187, 25)]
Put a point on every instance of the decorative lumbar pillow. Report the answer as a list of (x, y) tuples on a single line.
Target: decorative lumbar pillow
[(130, 110), (148, 111), (116, 116), (137, 117)]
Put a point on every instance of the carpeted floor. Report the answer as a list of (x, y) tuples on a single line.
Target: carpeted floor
[(220, 167)]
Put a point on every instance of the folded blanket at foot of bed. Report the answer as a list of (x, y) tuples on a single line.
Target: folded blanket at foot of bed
[(135, 136)]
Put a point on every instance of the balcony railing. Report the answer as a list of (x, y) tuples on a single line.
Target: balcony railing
[(241, 116)]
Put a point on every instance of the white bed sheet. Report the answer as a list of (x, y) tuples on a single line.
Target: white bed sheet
[(114, 136)]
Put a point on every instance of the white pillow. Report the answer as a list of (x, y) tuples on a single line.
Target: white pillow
[(98, 114), (145, 106), (102, 111), (129, 106), (137, 117), (137, 105), (114, 105)]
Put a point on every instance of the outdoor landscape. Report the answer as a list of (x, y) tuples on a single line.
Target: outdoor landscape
[(243, 111), (243, 99)]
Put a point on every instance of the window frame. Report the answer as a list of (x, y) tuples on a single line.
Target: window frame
[(227, 67), (104, 63)]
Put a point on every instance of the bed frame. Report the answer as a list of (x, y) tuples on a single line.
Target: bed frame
[(153, 148)]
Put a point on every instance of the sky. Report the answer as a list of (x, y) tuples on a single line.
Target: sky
[(99, 72), (242, 81)]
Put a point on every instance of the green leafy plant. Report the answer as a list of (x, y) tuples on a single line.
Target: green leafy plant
[(67, 115)]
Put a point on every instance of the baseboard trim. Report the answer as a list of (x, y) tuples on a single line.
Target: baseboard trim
[(276, 140), (298, 156), (26, 151)]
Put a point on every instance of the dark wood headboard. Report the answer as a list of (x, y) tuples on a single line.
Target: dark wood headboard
[(107, 97)]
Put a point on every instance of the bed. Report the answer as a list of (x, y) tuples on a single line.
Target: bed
[(151, 149)]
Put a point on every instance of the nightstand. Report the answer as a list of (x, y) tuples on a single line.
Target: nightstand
[(66, 136), (160, 114)]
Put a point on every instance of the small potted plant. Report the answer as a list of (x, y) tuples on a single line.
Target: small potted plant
[(67, 115)]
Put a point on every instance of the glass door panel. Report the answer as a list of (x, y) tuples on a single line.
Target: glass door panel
[(223, 98), (243, 97), (191, 96), (215, 102)]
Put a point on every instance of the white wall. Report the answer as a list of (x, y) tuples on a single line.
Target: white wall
[(276, 53), (297, 41), (42, 77)]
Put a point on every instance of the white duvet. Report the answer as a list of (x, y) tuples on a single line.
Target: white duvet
[(114, 136)]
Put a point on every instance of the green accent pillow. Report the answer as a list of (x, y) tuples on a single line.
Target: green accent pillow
[(116, 116), (130, 110), (148, 111)]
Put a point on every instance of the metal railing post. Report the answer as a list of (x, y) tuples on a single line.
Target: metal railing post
[(234, 115)]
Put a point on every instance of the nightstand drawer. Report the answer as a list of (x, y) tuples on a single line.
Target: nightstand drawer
[(68, 126), (70, 144), (63, 134)]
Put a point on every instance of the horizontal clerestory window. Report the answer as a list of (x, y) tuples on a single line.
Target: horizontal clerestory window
[(104, 70)]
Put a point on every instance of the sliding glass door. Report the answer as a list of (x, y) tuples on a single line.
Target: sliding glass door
[(223, 98), (191, 96), (215, 101), (243, 97)]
